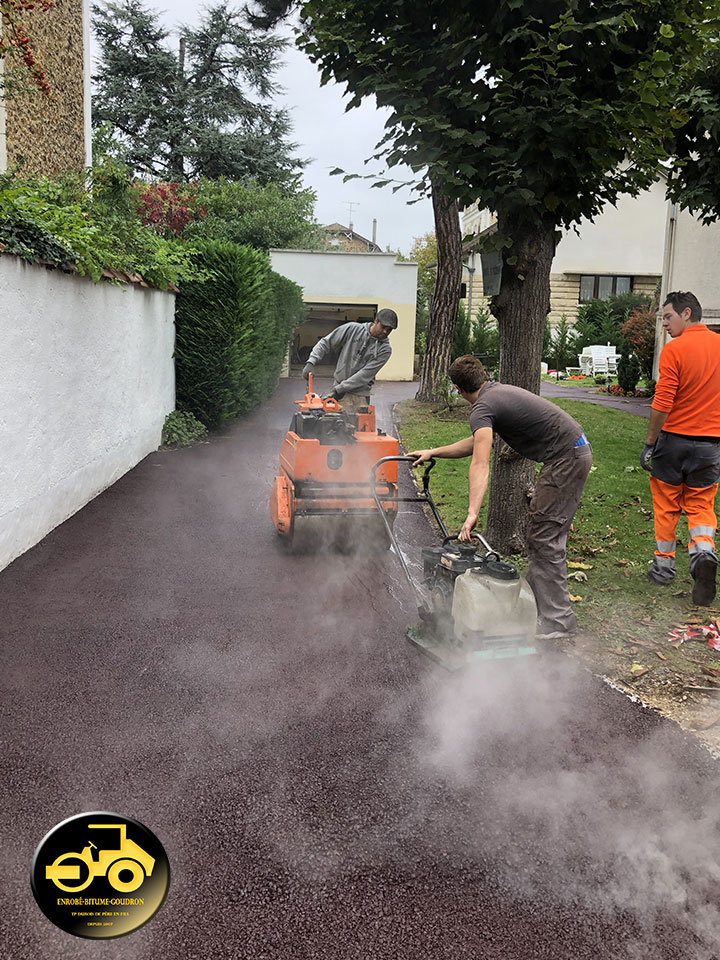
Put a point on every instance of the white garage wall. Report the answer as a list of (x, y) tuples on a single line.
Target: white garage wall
[(360, 278), (86, 381)]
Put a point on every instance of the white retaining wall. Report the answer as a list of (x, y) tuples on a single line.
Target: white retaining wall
[(86, 381)]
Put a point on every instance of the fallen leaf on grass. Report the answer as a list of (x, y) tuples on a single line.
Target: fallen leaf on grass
[(638, 670), (647, 620), (618, 650), (575, 565), (633, 650), (710, 671), (661, 655), (575, 599), (622, 563), (626, 574)]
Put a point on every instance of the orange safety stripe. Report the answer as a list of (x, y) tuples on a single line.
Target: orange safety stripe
[(699, 505)]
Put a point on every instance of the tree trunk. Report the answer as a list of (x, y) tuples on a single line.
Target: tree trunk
[(520, 308), (443, 312)]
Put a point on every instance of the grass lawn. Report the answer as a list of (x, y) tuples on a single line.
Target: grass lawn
[(624, 621)]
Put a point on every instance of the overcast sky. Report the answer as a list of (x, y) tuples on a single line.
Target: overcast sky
[(330, 138)]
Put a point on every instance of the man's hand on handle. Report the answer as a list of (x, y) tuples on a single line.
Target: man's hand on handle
[(467, 528), (307, 370), (421, 456)]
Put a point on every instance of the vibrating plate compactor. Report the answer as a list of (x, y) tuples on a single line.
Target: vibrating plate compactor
[(322, 496), (477, 607)]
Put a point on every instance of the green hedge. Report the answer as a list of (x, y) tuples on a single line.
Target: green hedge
[(233, 330)]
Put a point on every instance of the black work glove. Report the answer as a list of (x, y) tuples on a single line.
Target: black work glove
[(646, 456), (336, 393), (308, 369)]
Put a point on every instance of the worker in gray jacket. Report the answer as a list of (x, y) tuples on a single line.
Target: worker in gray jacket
[(363, 350)]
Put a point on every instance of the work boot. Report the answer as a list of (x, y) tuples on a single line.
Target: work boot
[(546, 630), (655, 581), (703, 573)]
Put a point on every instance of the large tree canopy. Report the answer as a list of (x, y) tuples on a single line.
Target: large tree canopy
[(532, 106), (694, 178), (203, 110), (542, 110)]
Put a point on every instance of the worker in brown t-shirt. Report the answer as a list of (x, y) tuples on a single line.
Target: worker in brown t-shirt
[(682, 450), (540, 431)]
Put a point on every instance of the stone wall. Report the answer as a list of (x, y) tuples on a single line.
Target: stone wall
[(49, 133)]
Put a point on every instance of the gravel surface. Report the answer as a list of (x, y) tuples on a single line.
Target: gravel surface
[(322, 790)]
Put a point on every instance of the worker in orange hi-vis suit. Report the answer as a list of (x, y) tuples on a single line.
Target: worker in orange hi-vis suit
[(682, 450)]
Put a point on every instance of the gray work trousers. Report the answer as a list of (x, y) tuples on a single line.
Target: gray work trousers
[(558, 489), (352, 402)]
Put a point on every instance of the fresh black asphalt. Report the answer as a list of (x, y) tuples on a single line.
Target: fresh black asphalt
[(322, 790)]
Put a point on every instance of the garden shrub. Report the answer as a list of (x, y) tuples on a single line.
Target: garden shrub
[(33, 243), (181, 429), (100, 226), (601, 321), (485, 340), (628, 372), (564, 350), (233, 327), (461, 334), (248, 213), (639, 331)]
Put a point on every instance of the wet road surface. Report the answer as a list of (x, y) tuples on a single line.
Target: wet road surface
[(640, 406), (322, 790)]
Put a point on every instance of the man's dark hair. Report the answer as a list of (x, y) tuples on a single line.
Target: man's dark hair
[(467, 373), (680, 301), (388, 318)]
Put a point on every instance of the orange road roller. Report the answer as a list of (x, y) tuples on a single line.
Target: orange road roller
[(322, 496)]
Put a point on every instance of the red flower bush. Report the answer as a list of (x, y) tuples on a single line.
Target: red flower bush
[(639, 331), (169, 207)]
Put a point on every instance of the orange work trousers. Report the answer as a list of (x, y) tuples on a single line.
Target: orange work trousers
[(669, 502)]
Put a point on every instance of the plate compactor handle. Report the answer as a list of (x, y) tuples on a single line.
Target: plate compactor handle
[(329, 404), (423, 609), (490, 554)]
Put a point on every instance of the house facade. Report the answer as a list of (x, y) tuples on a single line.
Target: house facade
[(51, 135), (691, 262), (620, 251), (338, 237)]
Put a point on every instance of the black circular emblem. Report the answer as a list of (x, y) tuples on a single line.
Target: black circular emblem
[(100, 875)]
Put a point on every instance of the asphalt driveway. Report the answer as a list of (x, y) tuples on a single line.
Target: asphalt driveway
[(321, 790)]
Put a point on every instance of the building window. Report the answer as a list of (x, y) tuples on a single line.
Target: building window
[(600, 287)]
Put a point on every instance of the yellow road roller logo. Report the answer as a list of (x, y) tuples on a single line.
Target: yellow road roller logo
[(100, 875), (128, 860)]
